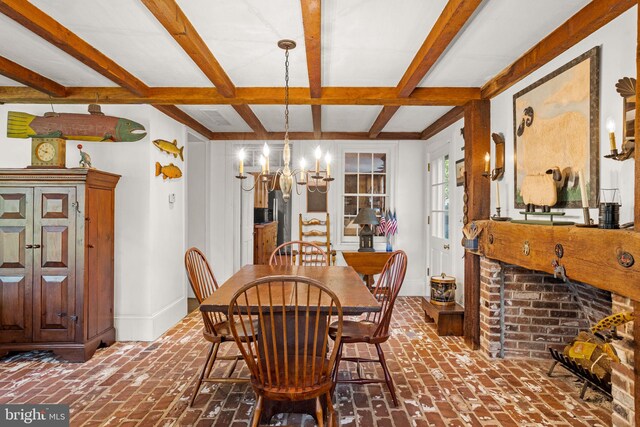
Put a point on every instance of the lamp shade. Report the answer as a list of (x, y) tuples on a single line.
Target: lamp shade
[(366, 216)]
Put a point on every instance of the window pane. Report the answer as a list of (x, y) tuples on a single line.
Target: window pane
[(379, 205), (350, 205), (350, 229), (366, 162), (351, 184), (364, 202), (351, 162), (365, 184), (379, 162), (379, 184)]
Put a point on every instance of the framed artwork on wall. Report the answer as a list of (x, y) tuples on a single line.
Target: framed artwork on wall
[(460, 173), (316, 200), (557, 125)]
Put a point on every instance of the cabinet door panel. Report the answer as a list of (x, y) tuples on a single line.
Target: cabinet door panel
[(16, 264), (53, 302), (54, 283)]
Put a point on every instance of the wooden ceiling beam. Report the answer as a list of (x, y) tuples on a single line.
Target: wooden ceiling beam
[(383, 118), (169, 14), (312, 21), (173, 19), (443, 122), (279, 136), (184, 118), (316, 115), (590, 18), (254, 123), (30, 78), (453, 18), (250, 95), (38, 22)]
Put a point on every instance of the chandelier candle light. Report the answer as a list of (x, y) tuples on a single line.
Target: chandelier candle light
[(285, 176)]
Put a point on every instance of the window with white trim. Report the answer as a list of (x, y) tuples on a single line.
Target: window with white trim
[(366, 184)]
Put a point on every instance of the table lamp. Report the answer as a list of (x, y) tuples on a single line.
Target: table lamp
[(366, 217)]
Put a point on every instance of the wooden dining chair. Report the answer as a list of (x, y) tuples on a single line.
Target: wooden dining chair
[(374, 329), (298, 252), (291, 358), (216, 326), (318, 232)]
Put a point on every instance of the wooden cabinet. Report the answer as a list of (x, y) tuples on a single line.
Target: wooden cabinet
[(56, 260), (265, 240)]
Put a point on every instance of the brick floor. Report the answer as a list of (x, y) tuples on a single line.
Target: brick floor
[(439, 381)]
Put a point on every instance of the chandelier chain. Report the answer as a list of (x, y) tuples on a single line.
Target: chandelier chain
[(286, 93)]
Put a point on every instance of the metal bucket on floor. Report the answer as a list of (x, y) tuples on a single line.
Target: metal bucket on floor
[(443, 290)]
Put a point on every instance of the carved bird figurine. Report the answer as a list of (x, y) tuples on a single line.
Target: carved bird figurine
[(85, 158)]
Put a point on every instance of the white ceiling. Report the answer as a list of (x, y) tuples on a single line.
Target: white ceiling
[(364, 43), (498, 34)]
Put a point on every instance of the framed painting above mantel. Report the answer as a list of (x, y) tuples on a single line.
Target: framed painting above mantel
[(557, 125)]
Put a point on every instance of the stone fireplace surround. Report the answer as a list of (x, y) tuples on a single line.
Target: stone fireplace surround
[(525, 312)]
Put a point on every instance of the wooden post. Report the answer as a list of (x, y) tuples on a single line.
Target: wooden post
[(477, 137), (636, 214)]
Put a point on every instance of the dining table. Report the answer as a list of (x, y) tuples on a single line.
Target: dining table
[(347, 285)]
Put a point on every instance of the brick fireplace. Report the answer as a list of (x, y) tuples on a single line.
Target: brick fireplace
[(525, 312)]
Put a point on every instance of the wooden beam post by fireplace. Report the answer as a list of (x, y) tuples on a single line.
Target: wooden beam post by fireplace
[(636, 215), (477, 137)]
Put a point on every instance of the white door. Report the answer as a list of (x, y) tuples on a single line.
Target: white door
[(438, 200)]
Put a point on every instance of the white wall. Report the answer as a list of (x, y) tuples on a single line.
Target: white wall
[(150, 234), (618, 60), (408, 183)]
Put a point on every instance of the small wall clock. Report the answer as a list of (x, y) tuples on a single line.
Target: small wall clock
[(48, 152)]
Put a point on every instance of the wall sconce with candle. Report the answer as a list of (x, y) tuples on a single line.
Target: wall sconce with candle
[(626, 87), (497, 173)]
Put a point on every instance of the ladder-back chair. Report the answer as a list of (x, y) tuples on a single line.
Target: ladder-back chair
[(318, 232), (291, 358), (375, 328), (216, 326), (299, 253)]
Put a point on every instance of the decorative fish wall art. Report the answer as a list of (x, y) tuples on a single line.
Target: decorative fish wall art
[(94, 126), (170, 147), (169, 171)]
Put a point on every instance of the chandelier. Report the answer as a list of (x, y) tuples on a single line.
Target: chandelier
[(285, 176)]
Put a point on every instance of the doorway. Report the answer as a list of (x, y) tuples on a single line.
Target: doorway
[(438, 204)]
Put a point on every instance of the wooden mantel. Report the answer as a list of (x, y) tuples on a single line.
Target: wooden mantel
[(590, 254)]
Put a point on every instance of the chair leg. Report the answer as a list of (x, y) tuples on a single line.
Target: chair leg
[(331, 417), (334, 374), (199, 379), (255, 422), (319, 413), (387, 375), (213, 360)]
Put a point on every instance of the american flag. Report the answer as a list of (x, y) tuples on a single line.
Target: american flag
[(382, 227), (392, 227)]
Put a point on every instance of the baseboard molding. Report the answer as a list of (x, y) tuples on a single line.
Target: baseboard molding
[(149, 328)]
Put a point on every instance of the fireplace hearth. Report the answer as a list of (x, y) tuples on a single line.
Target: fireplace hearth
[(524, 313)]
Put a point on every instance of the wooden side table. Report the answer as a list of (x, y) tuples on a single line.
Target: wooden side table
[(366, 263)]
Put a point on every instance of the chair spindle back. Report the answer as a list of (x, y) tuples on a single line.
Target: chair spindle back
[(386, 291), (292, 316), (203, 283), (299, 253)]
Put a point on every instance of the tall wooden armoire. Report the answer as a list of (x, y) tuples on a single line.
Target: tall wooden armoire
[(56, 260)]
